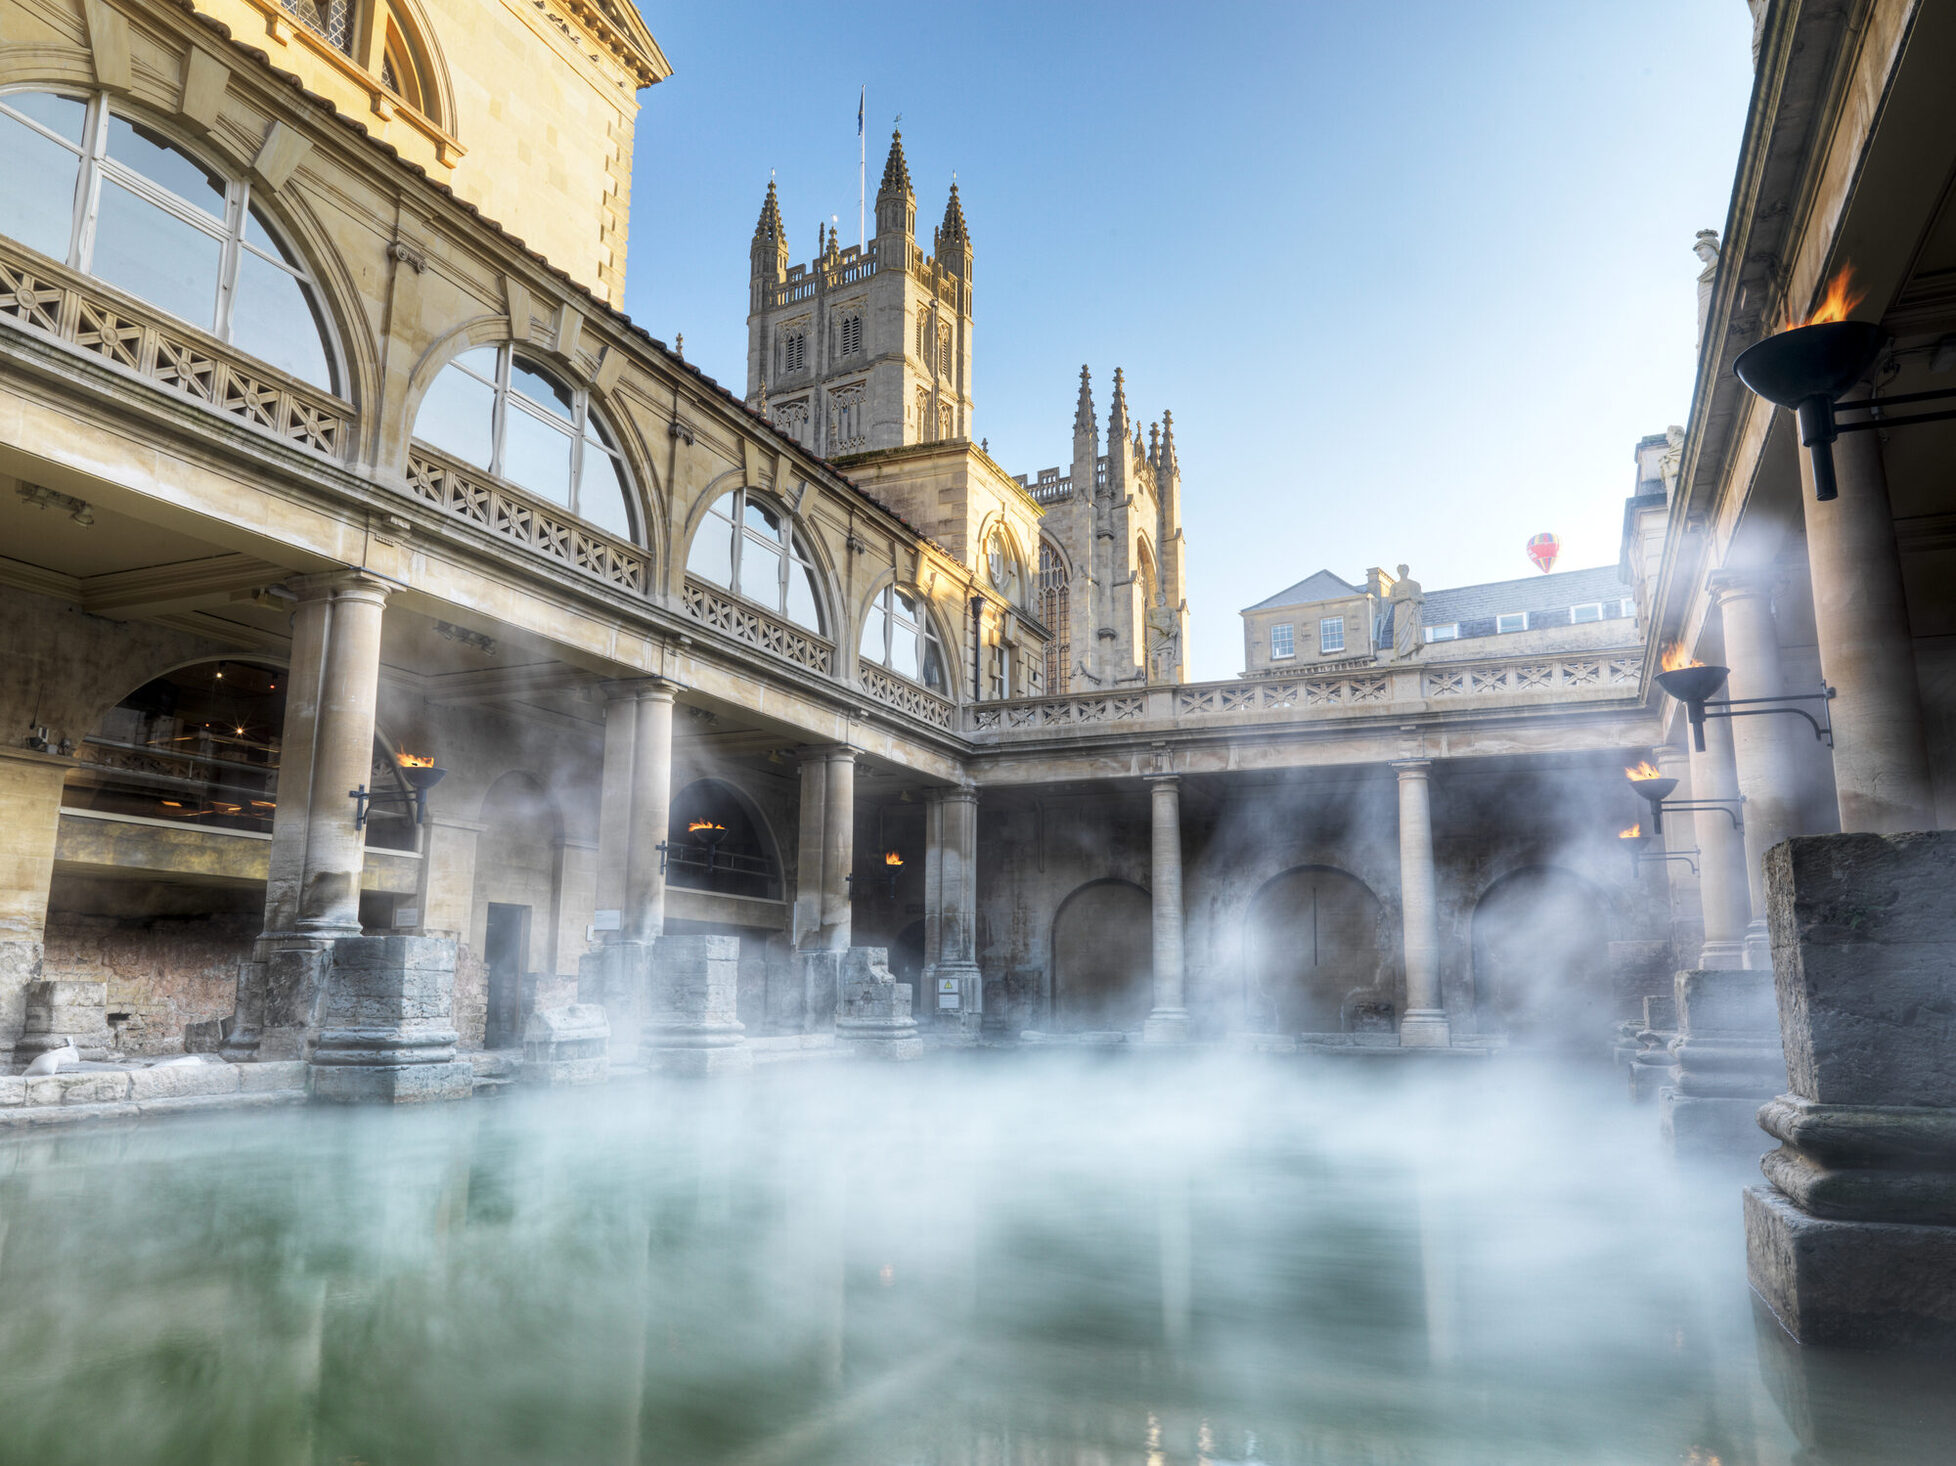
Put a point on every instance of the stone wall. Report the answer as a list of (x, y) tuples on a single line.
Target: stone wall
[(163, 971)]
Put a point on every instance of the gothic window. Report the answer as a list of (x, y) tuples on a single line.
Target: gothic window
[(897, 633), (944, 351), (750, 546), (1002, 566), (998, 672), (923, 415), (332, 20), (1144, 572), (945, 428), (923, 337), (794, 349), (513, 417), (792, 419), (848, 335), (1055, 609), (848, 430), (1331, 635), (111, 197)]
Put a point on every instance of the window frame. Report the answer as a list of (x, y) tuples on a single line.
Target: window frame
[(1325, 629), (508, 397), (888, 603), (1446, 631), (1289, 630), (791, 544), (94, 165), (1576, 617), (1504, 616)]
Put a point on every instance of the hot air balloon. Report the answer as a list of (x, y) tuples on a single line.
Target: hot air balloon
[(1542, 550)]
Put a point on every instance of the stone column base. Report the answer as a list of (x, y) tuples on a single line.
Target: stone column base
[(387, 1026), (872, 1015), (1707, 1126), (1166, 1026), (566, 1046), (963, 1024), (690, 1027), (1860, 1284), (1425, 1028), (616, 978), (59, 1011)]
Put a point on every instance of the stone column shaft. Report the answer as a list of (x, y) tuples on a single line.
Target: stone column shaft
[(951, 904), (1721, 851), (1867, 650), (1169, 1021), (615, 794), (808, 850), (1687, 906), (30, 812), (838, 848), (1764, 759), (344, 699), (644, 915), (1424, 1024)]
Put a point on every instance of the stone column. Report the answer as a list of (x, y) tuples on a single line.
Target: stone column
[(838, 847), (690, 1026), (1680, 837), (30, 814), (951, 908), (312, 891), (1854, 1242), (1728, 1062), (1763, 754), (644, 913), (808, 849), (1424, 1024), (1169, 1021), (387, 1032), (1721, 851), (1867, 651)]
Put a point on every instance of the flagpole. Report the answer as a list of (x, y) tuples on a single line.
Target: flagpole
[(862, 174)]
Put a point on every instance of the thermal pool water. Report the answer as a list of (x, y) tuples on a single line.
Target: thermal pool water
[(994, 1260)]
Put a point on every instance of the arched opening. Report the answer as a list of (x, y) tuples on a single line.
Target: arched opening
[(1322, 953), (515, 904), (1003, 566), (1541, 960), (715, 842), (1103, 958), (1056, 610), (514, 417), (898, 633), (1144, 571), (750, 545), (110, 195)]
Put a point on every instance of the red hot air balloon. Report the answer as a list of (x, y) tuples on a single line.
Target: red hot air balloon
[(1542, 550)]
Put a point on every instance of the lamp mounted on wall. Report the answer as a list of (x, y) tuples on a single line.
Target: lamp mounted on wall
[(885, 877), (1808, 366), (1638, 844), (1655, 788), (705, 833), (1692, 684), (421, 775)]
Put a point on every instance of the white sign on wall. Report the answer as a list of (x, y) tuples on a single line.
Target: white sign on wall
[(948, 993)]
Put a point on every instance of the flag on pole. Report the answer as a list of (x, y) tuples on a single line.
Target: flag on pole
[(861, 102)]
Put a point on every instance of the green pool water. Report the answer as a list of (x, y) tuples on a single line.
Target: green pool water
[(1012, 1260)]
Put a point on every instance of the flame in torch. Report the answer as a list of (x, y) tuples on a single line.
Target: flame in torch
[(1674, 658), (1634, 832), (414, 761), (1642, 771), (893, 859), (1840, 298)]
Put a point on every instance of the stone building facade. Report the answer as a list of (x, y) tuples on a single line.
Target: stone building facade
[(405, 486)]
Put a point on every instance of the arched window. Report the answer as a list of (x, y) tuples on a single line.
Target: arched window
[(1002, 566), (923, 337), (1055, 609), (1144, 571), (923, 415), (751, 547), (331, 19), (898, 634), (401, 68), (513, 417), (110, 196)]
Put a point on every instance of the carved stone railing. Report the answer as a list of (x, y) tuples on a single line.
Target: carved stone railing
[(904, 695), (84, 314), (1407, 689), (468, 493), (718, 610), (1049, 488)]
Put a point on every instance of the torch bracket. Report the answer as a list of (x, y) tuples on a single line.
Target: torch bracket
[(1874, 405), (364, 799), (1728, 807), (1750, 707), (886, 878), (1638, 860)]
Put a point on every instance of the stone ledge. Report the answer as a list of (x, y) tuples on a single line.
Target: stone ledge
[(1850, 1283), (36, 1116)]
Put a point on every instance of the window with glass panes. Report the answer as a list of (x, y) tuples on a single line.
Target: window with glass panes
[(1331, 634), (516, 419), (897, 633), (749, 545), (112, 197), (1283, 640)]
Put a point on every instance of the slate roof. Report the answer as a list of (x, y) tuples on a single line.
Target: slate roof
[(1532, 593), (1324, 586)]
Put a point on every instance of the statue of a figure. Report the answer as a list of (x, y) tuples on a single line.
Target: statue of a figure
[(1667, 466), (1705, 246), (1408, 603), (1162, 643)]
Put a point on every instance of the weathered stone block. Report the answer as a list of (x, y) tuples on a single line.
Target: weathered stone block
[(618, 977), (1849, 1283), (1727, 1057), (872, 1018), (1864, 946), (57, 1011), (170, 1080), (387, 1030), (79, 1087), (12, 1092), (268, 1075), (690, 1025), (566, 1045)]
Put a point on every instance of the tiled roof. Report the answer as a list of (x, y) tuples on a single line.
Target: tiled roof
[(1534, 593), (1324, 586)]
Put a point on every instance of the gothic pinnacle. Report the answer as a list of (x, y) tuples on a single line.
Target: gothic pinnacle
[(1168, 437), (768, 227), (1117, 414), (1154, 442), (952, 230), (896, 172), (1083, 414)]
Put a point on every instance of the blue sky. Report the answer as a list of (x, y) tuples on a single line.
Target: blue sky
[(1413, 278)]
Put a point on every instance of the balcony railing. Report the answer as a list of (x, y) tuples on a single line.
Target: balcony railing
[(904, 695), (88, 316), (502, 509), (720, 611)]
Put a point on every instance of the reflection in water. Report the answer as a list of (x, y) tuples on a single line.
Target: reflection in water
[(1018, 1262)]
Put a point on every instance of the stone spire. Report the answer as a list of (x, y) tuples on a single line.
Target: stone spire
[(1117, 414), (1168, 439), (896, 202), (896, 171), (1154, 443), (952, 230), (1083, 419), (770, 237)]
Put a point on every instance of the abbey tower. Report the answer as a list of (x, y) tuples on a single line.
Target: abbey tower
[(864, 356)]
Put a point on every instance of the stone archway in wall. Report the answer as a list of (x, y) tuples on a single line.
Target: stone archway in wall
[(1322, 953), (1103, 958), (1541, 949)]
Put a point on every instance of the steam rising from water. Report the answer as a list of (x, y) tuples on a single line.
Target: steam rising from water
[(1027, 1262)]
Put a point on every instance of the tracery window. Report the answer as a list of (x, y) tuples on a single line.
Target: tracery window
[(923, 415), (1055, 609), (751, 547), (794, 350), (849, 334), (945, 427), (923, 337), (944, 351), (514, 418), (111, 197), (898, 633)]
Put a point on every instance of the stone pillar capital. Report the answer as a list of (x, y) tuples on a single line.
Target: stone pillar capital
[(348, 584), (1164, 781), (638, 689), (1734, 584), (1412, 768), (951, 794), (833, 753)]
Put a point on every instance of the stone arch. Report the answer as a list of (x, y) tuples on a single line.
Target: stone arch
[(1323, 953), (745, 861), (1540, 945), (424, 47), (1103, 957), (948, 645), (1145, 569), (837, 625)]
